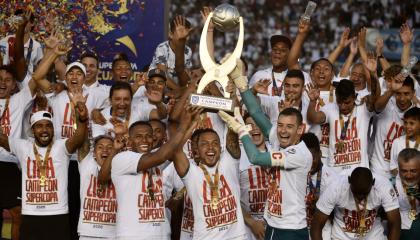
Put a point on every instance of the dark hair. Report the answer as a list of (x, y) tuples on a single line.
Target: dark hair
[(158, 121), (89, 55), (197, 133), (392, 71), (295, 73), (100, 137), (361, 176), (9, 69), (313, 65), (120, 57), (280, 38), (413, 112), (172, 24), (407, 154), (311, 141), (120, 86), (139, 123), (345, 89), (408, 81), (292, 112), (206, 130)]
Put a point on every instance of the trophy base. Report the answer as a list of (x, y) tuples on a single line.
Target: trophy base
[(212, 104)]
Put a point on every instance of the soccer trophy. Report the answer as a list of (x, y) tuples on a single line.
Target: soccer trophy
[(225, 18)]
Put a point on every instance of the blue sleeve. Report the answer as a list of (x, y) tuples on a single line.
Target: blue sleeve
[(256, 112), (254, 155)]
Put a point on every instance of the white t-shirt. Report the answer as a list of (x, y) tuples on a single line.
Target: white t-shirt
[(138, 215), (389, 126), (254, 182), (338, 197), (139, 112), (279, 77), (227, 221), (36, 53), (98, 209), (11, 121), (355, 151), (405, 206), (286, 207), (98, 91), (397, 146), (50, 199)]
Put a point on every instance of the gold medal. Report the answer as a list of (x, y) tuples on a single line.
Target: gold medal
[(42, 181), (412, 214), (214, 203), (273, 186), (321, 102)]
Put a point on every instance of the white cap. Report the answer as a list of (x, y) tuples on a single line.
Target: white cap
[(76, 64), (40, 115)]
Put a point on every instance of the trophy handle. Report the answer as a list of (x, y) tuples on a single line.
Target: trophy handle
[(228, 66), (206, 61), (208, 78)]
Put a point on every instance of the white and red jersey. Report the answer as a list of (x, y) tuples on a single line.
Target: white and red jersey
[(254, 181), (339, 198), (389, 127), (11, 121), (225, 222), (286, 207), (405, 206), (98, 204), (354, 151), (398, 145), (52, 198), (139, 214)]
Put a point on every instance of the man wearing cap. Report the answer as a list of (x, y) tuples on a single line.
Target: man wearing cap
[(44, 173), (272, 78)]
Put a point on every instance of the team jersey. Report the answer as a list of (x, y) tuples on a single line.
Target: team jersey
[(139, 112), (405, 206), (353, 152), (50, 199), (398, 145), (140, 214), (254, 183), (338, 197), (389, 126), (11, 119), (286, 207), (98, 204), (100, 92), (225, 222), (277, 76)]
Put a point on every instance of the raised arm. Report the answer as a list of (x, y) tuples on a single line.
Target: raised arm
[(379, 52), (344, 42), (210, 31), (382, 101), (345, 70), (179, 39), (19, 55), (406, 36), (375, 91), (315, 117), (82, 117), (361, 44), (292, 59)]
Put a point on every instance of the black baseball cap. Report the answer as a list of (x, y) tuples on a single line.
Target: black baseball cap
[(157, 73), (280, 38)]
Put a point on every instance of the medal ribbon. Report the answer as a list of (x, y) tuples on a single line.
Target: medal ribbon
[(330, 98), (312, 194), (361, 229), (127, 117), (42, 164), (150, 184), (277, 91), (416, 145), (412, 201), (345, 125), (5, 109), (214, 185)]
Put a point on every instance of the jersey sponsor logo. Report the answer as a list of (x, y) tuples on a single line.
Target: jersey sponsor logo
[(35, 193), (187, 215), (151, 209), (291, 151), (351, 220), (258, 189), (226, 212), (347, 151), (100, 203), (394, 132)]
